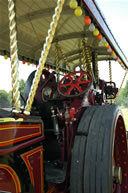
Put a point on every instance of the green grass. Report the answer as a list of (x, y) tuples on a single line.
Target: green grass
[(125, 116)]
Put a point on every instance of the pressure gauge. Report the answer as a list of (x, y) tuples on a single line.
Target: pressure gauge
[(46, 94), (47, 91)]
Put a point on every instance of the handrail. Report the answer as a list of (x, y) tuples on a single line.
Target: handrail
[(18, 147)]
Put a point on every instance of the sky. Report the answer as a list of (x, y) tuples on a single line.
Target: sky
[(5, 73), (116, 15)]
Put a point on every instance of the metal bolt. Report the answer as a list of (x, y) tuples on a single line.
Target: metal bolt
[(66, 122)]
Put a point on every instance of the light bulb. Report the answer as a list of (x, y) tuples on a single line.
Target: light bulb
[(112, 52), (78, 11), (91, 27), (99, 37), (23, 61), (96, 32), (87, 20), (109, 50), (108, 47), (103, 40), (114, 56), (28, 63), (73, 4), (106, 44), (5, 57)]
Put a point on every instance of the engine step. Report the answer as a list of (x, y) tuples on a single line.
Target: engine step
[(55, 171)]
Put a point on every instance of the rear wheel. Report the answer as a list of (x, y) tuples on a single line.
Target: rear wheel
[(100, 163)]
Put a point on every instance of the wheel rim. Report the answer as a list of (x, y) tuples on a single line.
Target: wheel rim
[(120, 158)]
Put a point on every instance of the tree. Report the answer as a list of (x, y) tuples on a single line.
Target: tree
[(21, 90), (21, 86), (10, 97), (4, 100), (123, 96)]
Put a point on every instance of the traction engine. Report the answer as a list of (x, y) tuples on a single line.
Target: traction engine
[(72, 129), (74, 140)]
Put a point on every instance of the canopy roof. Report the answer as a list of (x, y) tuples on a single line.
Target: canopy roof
[(33, 20)]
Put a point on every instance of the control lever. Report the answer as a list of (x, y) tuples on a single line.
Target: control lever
[(55, 123)]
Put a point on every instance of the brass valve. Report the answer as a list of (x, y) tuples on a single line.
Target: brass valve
[(117, 175)]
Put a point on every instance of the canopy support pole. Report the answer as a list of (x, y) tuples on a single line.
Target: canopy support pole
[(44, 55), (14, 57)]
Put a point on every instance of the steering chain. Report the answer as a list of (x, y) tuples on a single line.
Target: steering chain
[(87, 59), (65, 59), (83, 53), (96, 69), (57, 62), (110, 71)]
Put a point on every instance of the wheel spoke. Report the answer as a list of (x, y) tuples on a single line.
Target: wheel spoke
[(65, 85), (78, 88), (70, 89), (84, 82), (81, 75), (70, 78)]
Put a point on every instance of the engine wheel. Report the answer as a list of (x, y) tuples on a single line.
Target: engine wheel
[(100, 163), (79, 149)]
